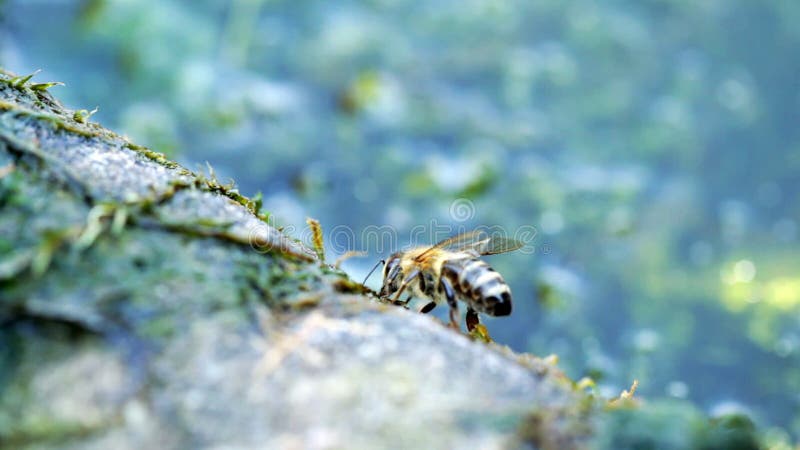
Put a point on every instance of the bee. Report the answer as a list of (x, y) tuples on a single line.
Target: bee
[(452, 270)]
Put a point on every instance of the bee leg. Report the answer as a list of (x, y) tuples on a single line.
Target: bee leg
[(450, 295), (404, 285), (428, 308), (403, 302), (454, 319), (472, 319)]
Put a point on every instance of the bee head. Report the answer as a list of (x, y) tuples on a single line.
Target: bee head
[(392, 275)]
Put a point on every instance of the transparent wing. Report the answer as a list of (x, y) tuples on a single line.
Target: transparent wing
[(493, 245), (478, 242)]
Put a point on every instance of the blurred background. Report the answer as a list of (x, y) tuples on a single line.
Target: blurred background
[(653, 144)]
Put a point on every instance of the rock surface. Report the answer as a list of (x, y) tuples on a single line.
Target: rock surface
[(146, 306)]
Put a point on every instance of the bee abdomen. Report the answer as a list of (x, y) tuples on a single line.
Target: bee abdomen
[(481, 286)]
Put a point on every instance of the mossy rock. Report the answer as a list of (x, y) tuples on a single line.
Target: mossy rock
[(146, 306)]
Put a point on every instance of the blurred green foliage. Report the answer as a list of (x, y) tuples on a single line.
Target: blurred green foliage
[(671, 425), (653, 144)]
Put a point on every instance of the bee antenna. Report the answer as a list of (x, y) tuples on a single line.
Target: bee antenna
[(373, 270)]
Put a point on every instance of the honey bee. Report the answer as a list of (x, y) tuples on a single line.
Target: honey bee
[(451, 270)]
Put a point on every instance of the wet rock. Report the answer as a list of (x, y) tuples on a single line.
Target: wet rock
[(146, 306)]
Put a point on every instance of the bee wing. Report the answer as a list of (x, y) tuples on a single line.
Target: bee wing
[(493, 245), (454, 243), (478, 242)]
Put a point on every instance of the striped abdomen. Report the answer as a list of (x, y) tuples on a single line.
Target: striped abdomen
[(479, 285)]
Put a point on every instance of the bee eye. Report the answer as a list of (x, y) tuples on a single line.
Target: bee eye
[(391, 268)]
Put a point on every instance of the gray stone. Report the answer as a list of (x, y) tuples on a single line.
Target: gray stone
[(145, 306)]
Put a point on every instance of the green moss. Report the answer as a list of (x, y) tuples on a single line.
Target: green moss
[(45, 86), (673, 425), (154, 156), (731, 432), (158, 327), (51, 242), (571, 421), (76, 125), (345, 285), (211, 184), (83, 115), (24, 418), (6, 106), (58, 123), (105, 258), (40, 429), (22, 80), (9, 189)]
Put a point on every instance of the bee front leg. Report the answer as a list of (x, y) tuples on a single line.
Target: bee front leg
[(404, 285), (403, 302), (450, 295)]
